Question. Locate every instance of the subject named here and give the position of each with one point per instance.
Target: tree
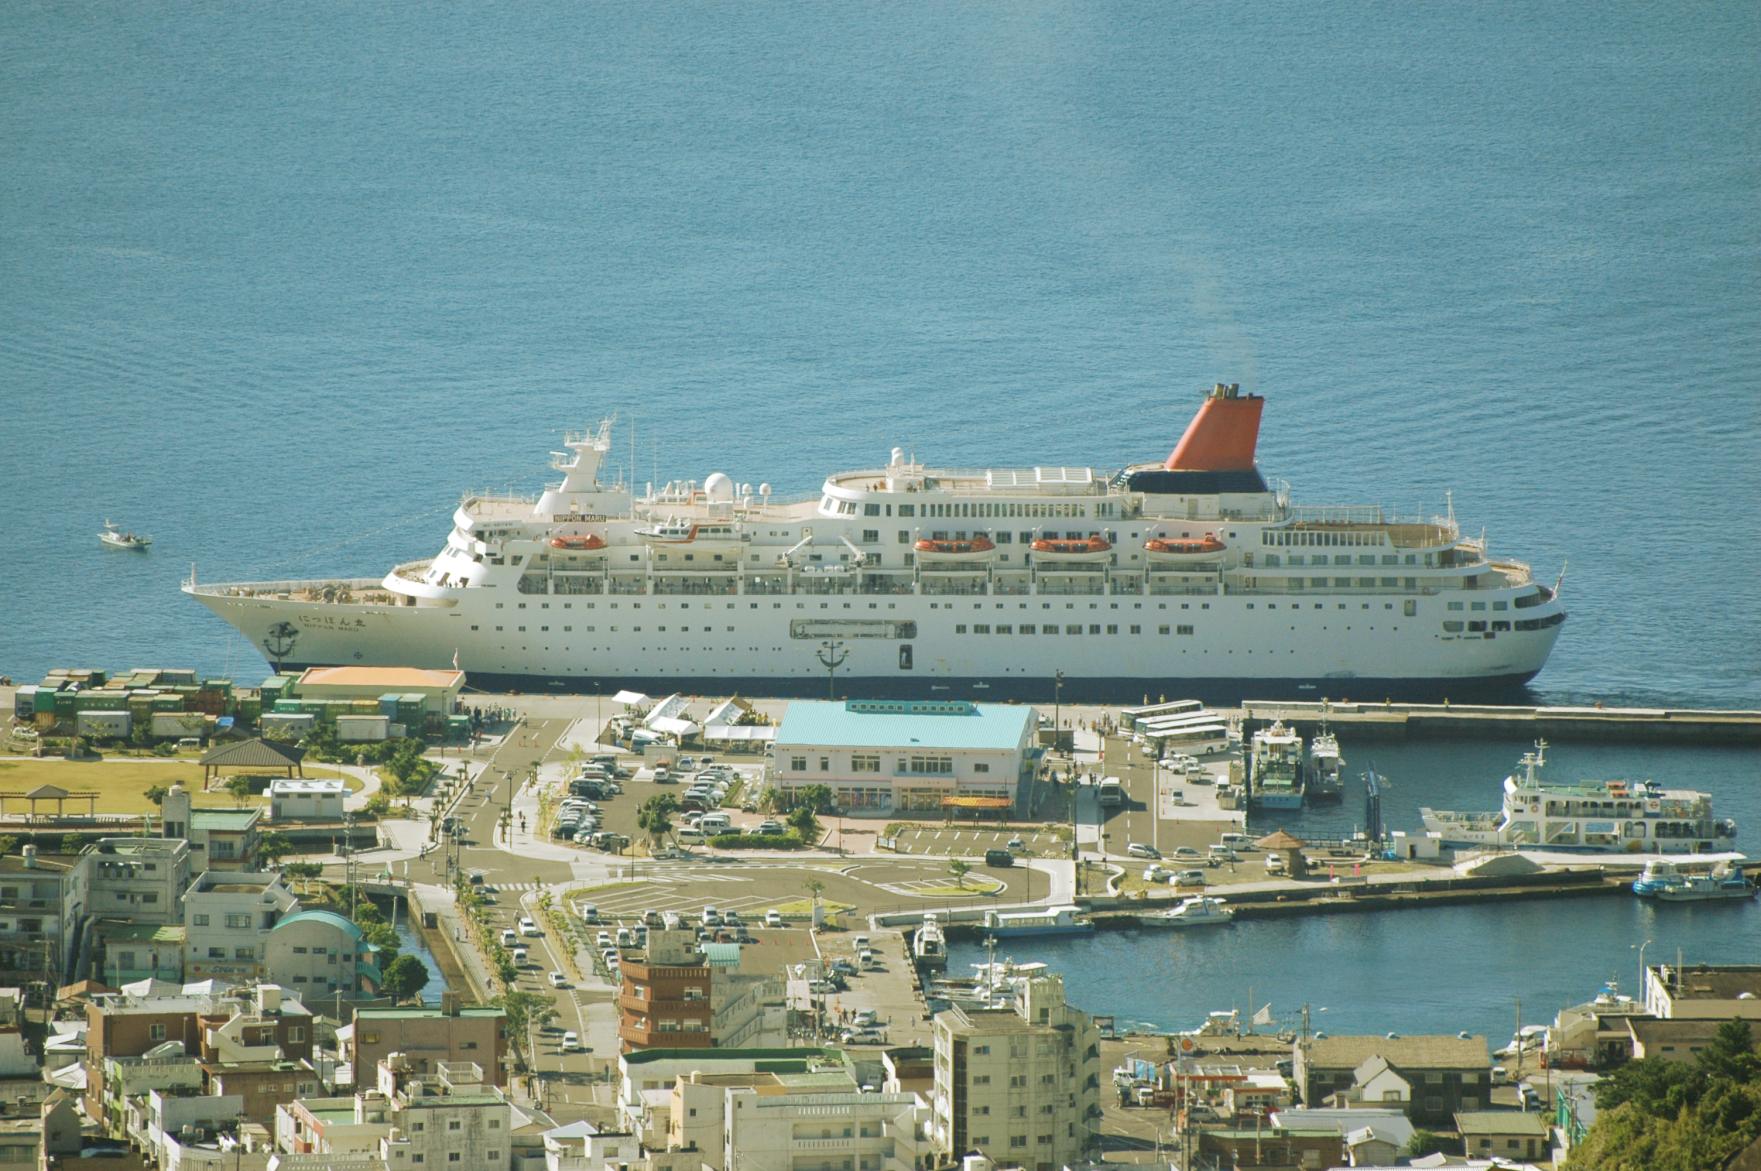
(302, 873)
(1425, 1142)
(272, 847)
(156, 794)
(378, 805)
(403, 978)
(240, 788)
(8, 845)
(959, 868)
(815, 888)
(524, 1009)
(71, 843)
(803, 822)
(655, 817)
(817, 798)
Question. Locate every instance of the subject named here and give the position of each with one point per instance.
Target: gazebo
(1290, 846)
(256, 755)
(53, 793)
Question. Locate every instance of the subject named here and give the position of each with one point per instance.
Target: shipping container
(177, 725)
(45, 699)
(103, 724)
(388, 704)
(290, 723)
(362, 729)
(24, 702)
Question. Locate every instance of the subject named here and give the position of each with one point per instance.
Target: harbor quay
(669, 900)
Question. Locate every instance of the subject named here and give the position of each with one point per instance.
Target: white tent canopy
(630, 698)
(671, 726)
(733, 733)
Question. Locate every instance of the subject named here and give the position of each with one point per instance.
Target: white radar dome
(718, 488)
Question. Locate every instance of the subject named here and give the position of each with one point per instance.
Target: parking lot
(973, 841)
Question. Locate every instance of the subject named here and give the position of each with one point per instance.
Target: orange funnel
(1222, 436)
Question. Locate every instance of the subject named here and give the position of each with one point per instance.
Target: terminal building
(880, 756)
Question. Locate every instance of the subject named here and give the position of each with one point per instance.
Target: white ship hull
(755, 607)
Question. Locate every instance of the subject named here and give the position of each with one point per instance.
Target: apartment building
(227, 918)
(1021, 1084)
(428, 1036)
(805, 1121)
(664, 1000)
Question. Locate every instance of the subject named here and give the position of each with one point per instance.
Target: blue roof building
(878, 756)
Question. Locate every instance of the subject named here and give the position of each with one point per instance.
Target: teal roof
(329, 917)
(721, 955)
(886, 723)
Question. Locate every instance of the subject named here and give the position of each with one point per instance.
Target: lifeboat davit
(1072, 550)
(936, 550)
(578, 542)
(1185, 550)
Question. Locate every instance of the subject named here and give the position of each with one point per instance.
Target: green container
(45, 700)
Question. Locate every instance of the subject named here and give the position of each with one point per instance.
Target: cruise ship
(1192, 573)
(1588, 816)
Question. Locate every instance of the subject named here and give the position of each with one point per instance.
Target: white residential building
(1021, 1084)
(306, 799)
(227, 918)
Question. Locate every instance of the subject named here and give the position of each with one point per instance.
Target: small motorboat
(1184, 550)
(1075, 550)
(114, 538)
(578, 542)
(1198, 911)
(940, 549)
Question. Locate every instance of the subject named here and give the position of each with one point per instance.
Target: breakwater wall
(1440, 720)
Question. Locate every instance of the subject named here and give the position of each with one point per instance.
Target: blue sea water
(278, 283)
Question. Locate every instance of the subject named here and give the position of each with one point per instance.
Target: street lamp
(1642, 948)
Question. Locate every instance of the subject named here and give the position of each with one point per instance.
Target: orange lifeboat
(963, 549)
(578, 542)
(1184, 549)
(1093, 547)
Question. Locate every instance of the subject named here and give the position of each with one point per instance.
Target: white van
(689, 835)
(715, 823)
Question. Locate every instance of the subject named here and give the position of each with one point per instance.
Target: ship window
(1501, 605)
(1476, 627)
(473, 628)
(1029, 628)
(981, 628)
(1452, 627)
(1187, 630)
(1501, 626)
(907, 510)
(1478, 606)
(1094, 629)
(1137, 630)
(1112, 630)
(960, 628)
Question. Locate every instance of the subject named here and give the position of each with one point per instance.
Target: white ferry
(1065, 920)
(1590, 816)
(1192, 571)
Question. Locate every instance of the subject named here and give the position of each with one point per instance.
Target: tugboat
(115, 538)
(928, 947)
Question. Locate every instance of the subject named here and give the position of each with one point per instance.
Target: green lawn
(121, 785)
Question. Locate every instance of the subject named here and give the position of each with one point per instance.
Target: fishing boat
(928, 947)
(1198, 911)
(1275, 768)
(1326, 780)
(115, 538)
(1723, 881)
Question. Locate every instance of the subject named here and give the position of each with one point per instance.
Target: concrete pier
(1605, 724)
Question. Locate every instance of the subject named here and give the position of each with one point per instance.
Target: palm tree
(655, 817)
(959, 868)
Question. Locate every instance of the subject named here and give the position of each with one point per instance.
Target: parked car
(1274, 864)
(520, 955)
(651, 918)
(508, 938)
(602, 940)
(571, 1042)
(528, 926)
(1189, 878)
(1187, 854)
(1155, 872)
(768, 826)
(1000, 858)
(558, 980)
(773, 918)
(1140, 850)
